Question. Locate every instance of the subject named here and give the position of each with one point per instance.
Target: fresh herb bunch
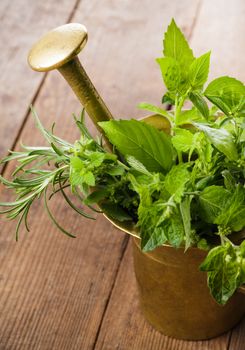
(183, 186)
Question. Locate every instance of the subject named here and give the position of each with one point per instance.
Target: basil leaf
(221, 139)
(176, 46)
(150, 146)
(170, 69)
(153, 109)
(198, 73)
(227, 93)
(199, 102)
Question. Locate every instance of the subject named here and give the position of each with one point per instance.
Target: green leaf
(170, 69)
(76, 163)
(174, 230)
(227, 93)
(116, 170)
(75, 179)
(154, 109)
(212, 202)
(223, 264)
(198, 73)
(116, 212)
(199, 102)
(190, 115)
(135, 164)
(176, 46)
(88, 178)
(182, 140)
(150, 146)
(96, 159)
(233, 213)
(168, 98)
(96, 196)
(229, 180)
(221, 139)
(152, 239)
(185, 210)
(176, 180)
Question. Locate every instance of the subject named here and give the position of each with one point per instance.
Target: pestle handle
(58, 49)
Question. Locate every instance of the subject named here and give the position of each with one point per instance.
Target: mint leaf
(199, 102)
(222, 207)
(150, 146)
(224, 267)
(75, 179)
(221, 139)
(176, 46)
(135, 164)
(227, 93)
(233, 213)
(170, 69)
(88, 178)
(198, 73)
(212, 202)
(174, 229)
(115, 212)
(150, 239)
(96, 158)
(96, 196)
(115, 170)
(76, 163)
(185, 210)
(176, 180)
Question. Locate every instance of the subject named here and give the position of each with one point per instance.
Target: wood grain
(61, 293)
(21, 24)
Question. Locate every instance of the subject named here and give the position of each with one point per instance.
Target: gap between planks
(36, 94)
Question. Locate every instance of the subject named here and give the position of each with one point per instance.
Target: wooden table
(61, 293)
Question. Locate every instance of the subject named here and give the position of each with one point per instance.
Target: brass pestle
(58, 49)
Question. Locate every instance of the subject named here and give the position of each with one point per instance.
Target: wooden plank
(22, 22)
(123, 326)
(237, 340)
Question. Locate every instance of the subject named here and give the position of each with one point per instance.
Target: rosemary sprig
(38, 171)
